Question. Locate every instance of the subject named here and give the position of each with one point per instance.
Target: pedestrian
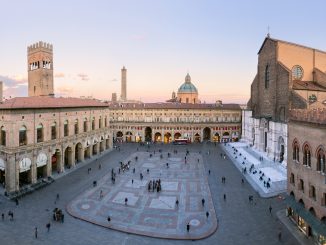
(224, 197)
(270, 209)
(177, 202)
(101, 194)
(126, 201)
(16, 200)
(188, 227)
(48, 225)
(207, 214)
(242, 181)
(3, 216)
(57, 197)
(62, 218)
(209, 171)
(280, 235)
(109, 219)
(35, 232)
(203, 201)
(99, 166)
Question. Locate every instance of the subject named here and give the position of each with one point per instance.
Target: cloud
(14, 86)
(113, 80)
(59, 75)
(83, 76)
(64, 91)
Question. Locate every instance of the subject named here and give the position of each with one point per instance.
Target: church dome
(187, 86)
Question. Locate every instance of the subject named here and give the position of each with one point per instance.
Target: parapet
(40, 46)
(312, 116)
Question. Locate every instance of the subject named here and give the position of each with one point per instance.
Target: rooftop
(308, 85)
(49, 102)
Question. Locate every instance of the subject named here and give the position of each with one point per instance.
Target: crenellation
(47, 47)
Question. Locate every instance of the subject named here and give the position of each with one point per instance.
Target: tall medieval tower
(123, 96)
(40, 69)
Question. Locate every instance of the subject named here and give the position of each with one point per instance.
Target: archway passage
(281, 148)
(226, 137)
(148, 134)
(128, 136)
(95, 148)
(216, 137)
(2, 171)
(56, 161)
(41, 172)
(167, 138)
(102, 144)
(79, 153)
(207, 134)
(157, 137)
(107, 143)
(25, 178)
(68, 157)
(197, 138)
(119, 137)
(177, 136)
(87, 152)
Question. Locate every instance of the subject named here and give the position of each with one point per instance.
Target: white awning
(41, 160)
(25, 165)
(2, 164)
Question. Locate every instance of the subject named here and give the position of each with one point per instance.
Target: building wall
(314, 135)
(14, 155)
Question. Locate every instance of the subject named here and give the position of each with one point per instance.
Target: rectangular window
(65, 130)
(85, 126)
(39, 135)
(76, 128)
(53, 133)
(3, 137)
(22, 138)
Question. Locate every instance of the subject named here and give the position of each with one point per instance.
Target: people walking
(203, 201)
(224, 197)
(35, 232)
(270, 209)
(188, 227)
(207, 214)
(48, 225)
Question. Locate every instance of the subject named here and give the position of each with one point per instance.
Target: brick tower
(123, 84)
(40, 69)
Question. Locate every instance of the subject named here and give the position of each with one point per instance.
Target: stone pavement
(152, 213)
(239, 222)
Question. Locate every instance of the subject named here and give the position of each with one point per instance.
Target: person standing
(270, 209)
(48, 225)
(35, 232)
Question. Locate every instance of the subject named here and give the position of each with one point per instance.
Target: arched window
(100, 122)
(295, 149)
(105, 121)
(306, 155)
(312, 192)
(85, 124)
(3, 136)
(53, 131)
(93, 123)
(22, 136)
(76, 126)
(267, 76)
(65, 128)
(39, 133)
(321, 161)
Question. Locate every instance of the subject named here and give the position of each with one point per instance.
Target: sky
(158, 41)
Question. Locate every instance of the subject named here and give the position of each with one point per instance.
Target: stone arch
(167, 137)
(207, 133)
(79, 152)
(177, 135)
(68, 157)
(158, 137)
(197, 138)
(148, 134)
(128, 136)
(216, 137)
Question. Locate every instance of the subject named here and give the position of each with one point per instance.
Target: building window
(85, 125)
(297, 72)
(105, 122)
(39, 133)
(3, 136)
(22, 136)
(65, 128)
(292, 179)
(312, 192)
(93, 123)
(100, 122)
(267, 77)
(306, 156)
(301, 185)
(76, 127)
(296, 151)
(54, 131)
(321, 161)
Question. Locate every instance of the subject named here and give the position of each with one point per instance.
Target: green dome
(187, 86)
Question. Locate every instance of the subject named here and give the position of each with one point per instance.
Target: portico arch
(148, 134)
(216, 137)
(157, 137)
(128, 136)
(177, 136)
(207, 133)
(119, 136)
(167, 138)
(79, 156)
(68, 158)
(56, 161)
(197, 138)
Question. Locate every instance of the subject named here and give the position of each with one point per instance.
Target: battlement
(311, 116)
(40, 46)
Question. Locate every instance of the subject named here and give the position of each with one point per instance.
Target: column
(49, 164)
(12, 174)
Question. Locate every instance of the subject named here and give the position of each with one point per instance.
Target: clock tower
(40, 69)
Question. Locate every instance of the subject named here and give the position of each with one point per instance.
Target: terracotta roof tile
(49, 102)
